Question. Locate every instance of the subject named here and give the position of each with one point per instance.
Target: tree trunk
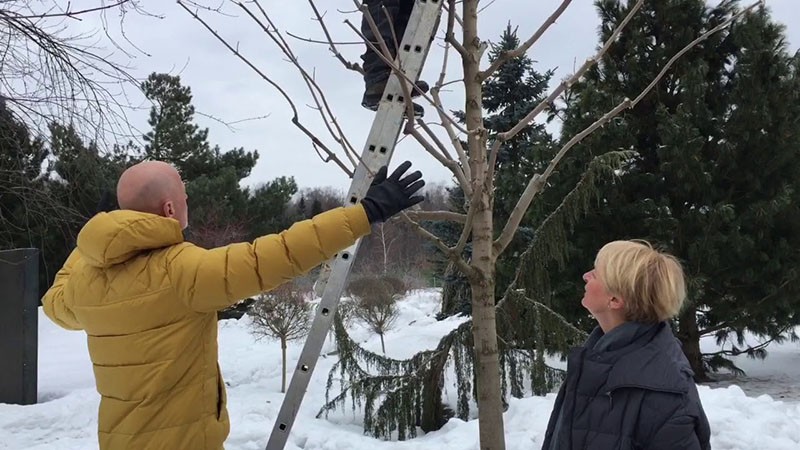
(690, 338)
(383, 347)
(385, 252)
(484, 325)
(283, 365)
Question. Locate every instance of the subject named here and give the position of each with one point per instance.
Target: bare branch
(445, 216)
(447, 121)
(519, 51)
(444, 157)
(451, 254)
(328, 118)
(331, 45)
(503, 137)
(537, 182)
(72, 14)
(449, 35)
(467, 230)
(51, 76)
(317, 143)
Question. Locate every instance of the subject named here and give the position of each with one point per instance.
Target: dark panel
(19, 275)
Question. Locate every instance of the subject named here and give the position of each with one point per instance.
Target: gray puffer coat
(630, 389)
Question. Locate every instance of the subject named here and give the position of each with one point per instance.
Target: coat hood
(113, 238)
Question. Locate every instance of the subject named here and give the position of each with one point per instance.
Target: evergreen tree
(174, 137)
(23, 196)
(715, 177)
(268, 206)
(508, 96)
(212, 177)
(27, 210)
(84, 173)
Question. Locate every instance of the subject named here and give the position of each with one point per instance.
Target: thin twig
(444, 216)
(352, 66)
(450, 253)
(72, 14)
(448, 161)
(447, 121)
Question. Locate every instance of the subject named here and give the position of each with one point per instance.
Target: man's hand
(388, 196)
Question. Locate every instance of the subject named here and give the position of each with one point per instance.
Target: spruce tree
(508, 96)
(715, 177)
(513, 91)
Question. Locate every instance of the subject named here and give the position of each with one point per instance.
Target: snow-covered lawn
(65, 418)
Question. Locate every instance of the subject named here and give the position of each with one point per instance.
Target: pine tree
(715, 177)
(212, 177)
(174, 137)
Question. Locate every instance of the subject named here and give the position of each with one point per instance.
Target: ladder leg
(377, 152)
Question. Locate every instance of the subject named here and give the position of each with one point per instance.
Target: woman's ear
(616, 303)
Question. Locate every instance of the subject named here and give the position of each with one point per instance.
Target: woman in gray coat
(630, 385)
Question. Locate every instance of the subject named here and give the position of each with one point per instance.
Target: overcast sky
(224, 87)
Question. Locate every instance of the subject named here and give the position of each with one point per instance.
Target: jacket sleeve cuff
(357, 218)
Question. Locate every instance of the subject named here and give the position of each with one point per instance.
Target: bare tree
(376, 303)
(283, 314)
(470, 153)
(49, 73)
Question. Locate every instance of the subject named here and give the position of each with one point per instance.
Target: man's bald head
(153, 187)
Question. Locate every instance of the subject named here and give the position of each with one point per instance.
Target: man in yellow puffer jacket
(147, 301)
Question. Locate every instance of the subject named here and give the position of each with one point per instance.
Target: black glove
(388, 196)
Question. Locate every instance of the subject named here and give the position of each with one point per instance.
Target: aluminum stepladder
(377, 152)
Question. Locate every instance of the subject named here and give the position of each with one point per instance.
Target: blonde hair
(650, 282)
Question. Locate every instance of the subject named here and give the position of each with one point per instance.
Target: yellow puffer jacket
(148, 300)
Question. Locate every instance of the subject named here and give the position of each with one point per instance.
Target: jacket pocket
(603, 441)
(222, 397)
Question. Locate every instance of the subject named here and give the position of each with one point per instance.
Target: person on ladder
(391, 18)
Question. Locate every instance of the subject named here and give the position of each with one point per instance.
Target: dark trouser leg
(376, 71)
(391, 19)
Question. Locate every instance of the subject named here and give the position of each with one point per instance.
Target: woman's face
(596, 298)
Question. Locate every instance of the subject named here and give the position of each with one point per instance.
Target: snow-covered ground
(65, 419)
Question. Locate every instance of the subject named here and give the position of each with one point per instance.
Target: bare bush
(375, 303)
(283, 314)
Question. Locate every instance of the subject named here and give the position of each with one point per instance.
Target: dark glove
(388, 196)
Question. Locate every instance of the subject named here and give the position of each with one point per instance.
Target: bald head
(153, 187)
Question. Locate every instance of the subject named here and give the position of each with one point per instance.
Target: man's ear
(169, 209)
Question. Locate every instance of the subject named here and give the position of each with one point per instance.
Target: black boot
(373, 93)
(386, 14)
